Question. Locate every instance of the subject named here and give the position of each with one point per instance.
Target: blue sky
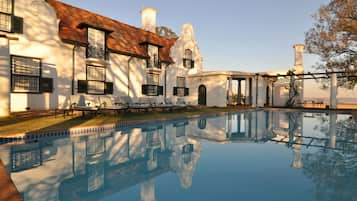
(254, 35)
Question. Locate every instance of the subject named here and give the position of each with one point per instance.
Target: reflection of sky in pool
(261, 155)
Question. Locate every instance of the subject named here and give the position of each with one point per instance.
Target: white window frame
(6, 13)
(181, 85)
(25, 74)
(96, 43)
(96, 83)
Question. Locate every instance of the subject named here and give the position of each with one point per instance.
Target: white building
(50, 50)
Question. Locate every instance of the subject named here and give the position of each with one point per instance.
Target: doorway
(202, 95)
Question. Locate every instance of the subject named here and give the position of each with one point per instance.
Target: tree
(166, 32)
(334, 38)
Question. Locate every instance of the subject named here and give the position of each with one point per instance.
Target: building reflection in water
(100, 164)
(96, 165)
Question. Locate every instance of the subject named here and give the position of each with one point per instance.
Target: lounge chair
(164, 106)
(180, 104)
(78, 103)
(139, 104)
(106, 103)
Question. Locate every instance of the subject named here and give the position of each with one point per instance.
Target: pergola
(333, 76)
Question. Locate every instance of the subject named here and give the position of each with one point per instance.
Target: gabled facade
(51, 50)
(62, 50)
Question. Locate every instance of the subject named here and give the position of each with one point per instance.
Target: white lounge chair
(106, 103)
(141, 104)
(78, 103)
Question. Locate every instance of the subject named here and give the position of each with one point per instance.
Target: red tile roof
(123, 39)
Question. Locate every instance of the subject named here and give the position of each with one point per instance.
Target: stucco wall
(185, 41)
(4, 78)
(216, 87)
(40, 40)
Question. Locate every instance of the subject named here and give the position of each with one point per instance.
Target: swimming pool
(256, 155)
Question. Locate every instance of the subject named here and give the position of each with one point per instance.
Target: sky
(242, 35)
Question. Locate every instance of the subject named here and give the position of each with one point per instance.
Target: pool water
(256, 155)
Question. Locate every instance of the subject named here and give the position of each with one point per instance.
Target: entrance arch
(202, 95)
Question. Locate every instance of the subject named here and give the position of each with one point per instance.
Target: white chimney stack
(148, 19)
(299, 50)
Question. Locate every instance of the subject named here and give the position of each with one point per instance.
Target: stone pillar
(230, 92)
(239, 93)
(229, 131)
(299, 69)
(332, 130)
(297, 155)
(255, 91)
(246, 92)
(299, 50)
(333, 91)
(4, 77)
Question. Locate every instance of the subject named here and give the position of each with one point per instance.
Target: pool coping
(8, 190)
(83, 131)
(123, 124)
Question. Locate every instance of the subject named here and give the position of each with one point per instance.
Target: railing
(153, 64)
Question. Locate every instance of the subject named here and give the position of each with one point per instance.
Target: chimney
(148, 19)
(299, 50)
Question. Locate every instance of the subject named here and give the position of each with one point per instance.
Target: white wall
(185, 41)
(216, 86)
(40, 40)
(4, 78)
(259, 84)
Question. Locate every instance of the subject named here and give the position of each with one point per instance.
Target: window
(180, 89)
(96, 44)
(152, 87)
(24, 160)
(188, 59)
(25, 74)
(153, 60)
(202, 124)
(153, 139)
(188, 148)
(181, 84)
(6, 8)
(153, 82)
(152, 79)
(95, 79)
(180, 131)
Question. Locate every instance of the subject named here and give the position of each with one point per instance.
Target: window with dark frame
(181, 131)
(188, 59)
(96, 44)
(152, 81)
(181, 85)
(180, 90)
(153, 60)
(25, 74)
(6, 12)
(96, 79)
(188, 148)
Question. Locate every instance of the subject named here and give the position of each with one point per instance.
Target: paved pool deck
(8, 190)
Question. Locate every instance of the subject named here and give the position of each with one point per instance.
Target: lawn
(16, 124)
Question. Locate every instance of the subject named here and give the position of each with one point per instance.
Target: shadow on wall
(40, 40)
(116, 69)
(46, 100)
